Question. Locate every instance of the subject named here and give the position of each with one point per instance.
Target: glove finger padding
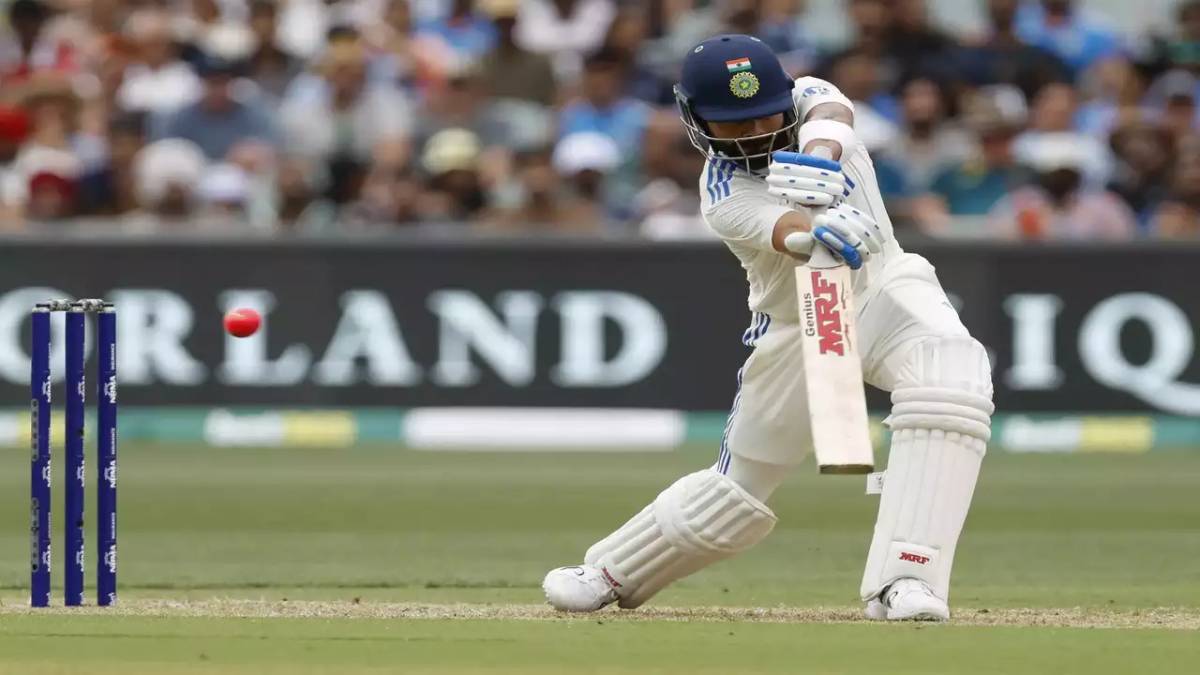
(784, 175)
(799, 242)
(832, 188)
(854, 227)
(801, 197)
(846, 235)
(868, 230)
(787, 175)
(840, 248)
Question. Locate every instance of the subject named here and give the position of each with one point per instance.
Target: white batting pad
(940, 427)
(702, 518)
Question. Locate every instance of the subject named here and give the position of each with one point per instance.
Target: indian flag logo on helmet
(743, 84)
(738, 65)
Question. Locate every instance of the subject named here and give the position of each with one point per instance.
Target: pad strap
(942, 408)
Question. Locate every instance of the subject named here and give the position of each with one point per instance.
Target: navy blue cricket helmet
(730, 78)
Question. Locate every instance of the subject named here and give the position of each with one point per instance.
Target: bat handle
(821, 256)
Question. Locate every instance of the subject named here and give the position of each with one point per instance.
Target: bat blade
(837, 403)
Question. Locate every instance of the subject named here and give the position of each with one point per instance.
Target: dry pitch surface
(239, 608)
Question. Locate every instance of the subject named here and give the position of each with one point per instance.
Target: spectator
(305, 25)
(775, 22)
(1058, 205)
(219, 121)
(1179, 49)
(603, 109)
(1184, 50)
(674, 27)
(668, 206)
(1111, 86)
(914, 44)
(338, 118)
(109, 189)
(33, 49)
(51, 197)
(780, 24)
(338, 96)
(585, 160)
(222, 198)
(402, 57)
(50, 148)
(156, 80)
(930, 142)
(1001, 57)
(538, 202)
(269, 66)
(215, 28)
(564, 30)
(451, 160)
(856, 74)
(14, 129)
(469, 35)
(871, 25)
(626, 35)
(95, 29)
(1145, 155)
(109, 54)
(1179, 215)
(975, 186)
(301, 205)
(1173, 97)
(1053, 114)
(1074, 35)
(390, 196)
(463, 102)
(166, 173)
(509, 70)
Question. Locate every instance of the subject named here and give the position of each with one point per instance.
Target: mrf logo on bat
(822, 316)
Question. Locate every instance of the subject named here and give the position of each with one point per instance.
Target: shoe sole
(919, 616)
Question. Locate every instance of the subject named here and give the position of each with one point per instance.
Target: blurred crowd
(326, 116)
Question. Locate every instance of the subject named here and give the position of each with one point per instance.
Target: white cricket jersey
(736, 205)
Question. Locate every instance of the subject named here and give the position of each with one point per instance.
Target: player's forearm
(831, 111)
(834, 129)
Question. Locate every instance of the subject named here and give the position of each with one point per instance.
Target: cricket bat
(833, 379)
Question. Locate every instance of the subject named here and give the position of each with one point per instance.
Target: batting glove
(851, 228)
(851, 234)
(805, 180)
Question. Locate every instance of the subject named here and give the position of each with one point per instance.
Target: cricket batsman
(767, 186)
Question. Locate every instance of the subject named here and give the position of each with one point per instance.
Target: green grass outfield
(375, 560)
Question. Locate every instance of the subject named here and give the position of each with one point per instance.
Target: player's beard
(754, 155)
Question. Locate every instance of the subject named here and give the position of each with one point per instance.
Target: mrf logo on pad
(822, 316)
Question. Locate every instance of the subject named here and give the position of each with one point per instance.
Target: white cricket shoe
(907, 600)
(580, 588)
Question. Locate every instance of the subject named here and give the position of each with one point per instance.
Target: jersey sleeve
(811, 92)
(738, 208)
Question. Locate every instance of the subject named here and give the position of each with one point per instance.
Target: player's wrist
(828, 131)
(814, 147)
